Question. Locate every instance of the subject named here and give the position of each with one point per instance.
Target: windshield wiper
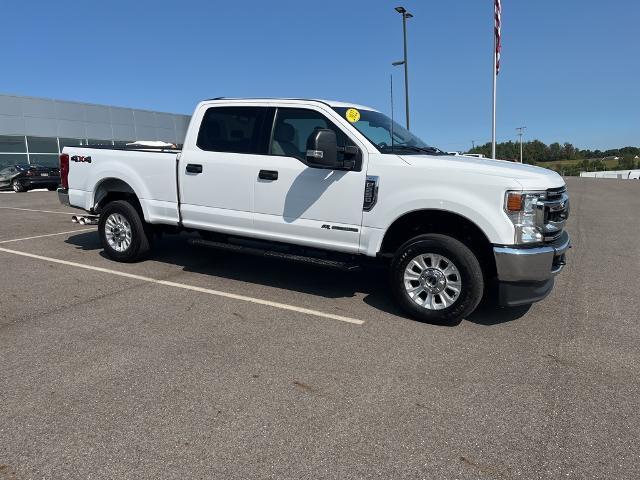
(413, 148)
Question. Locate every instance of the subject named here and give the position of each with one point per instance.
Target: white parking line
(42, 211)
(28, 191)
(218, 293)
(47, 235)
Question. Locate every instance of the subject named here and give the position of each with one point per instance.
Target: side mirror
(322, 149)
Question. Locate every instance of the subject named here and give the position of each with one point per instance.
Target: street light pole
(405, 15)
(520, 134)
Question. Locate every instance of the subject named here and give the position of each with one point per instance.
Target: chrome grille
(552, 213)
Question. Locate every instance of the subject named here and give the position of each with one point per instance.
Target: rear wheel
(17, 186)
(122, 232)
(437, 279)
(52, 188)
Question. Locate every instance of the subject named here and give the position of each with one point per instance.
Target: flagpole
(495, 72)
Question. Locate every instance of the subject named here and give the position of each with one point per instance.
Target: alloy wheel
(432, 281)
(118, 232)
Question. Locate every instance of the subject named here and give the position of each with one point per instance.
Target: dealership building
(35, 130)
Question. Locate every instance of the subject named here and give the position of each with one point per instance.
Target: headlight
(521, 210)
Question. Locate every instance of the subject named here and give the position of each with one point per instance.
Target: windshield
(378, 129)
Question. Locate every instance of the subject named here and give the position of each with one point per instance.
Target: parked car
(22, 178)
(333, 184)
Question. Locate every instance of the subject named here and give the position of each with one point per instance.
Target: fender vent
(370, 192)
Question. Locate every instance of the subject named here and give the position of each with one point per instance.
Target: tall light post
(520, 134)
(405, 15)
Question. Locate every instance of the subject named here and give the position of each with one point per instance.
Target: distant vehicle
(22, 178)
(619, 174)
(151, 143)
(460, 154)
(333, 184)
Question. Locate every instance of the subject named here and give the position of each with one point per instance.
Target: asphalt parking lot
(197, 364)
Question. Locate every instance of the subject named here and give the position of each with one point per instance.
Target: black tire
(140, 242)
(468, 268)
(51, 188)
(17, 186)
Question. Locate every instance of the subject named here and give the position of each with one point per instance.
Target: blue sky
(570, 68)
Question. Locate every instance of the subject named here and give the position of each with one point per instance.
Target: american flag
(498, 12)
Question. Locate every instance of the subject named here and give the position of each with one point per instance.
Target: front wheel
(18, 187)
(122, 232)
(436, 279)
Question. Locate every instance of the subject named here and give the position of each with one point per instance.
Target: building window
(42, 144)
(44, 159)
(12, 159)
(96, 142)
(12, 144)
(71, 142)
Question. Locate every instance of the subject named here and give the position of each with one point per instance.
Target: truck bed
(149, 172)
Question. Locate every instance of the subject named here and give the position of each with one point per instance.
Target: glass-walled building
(35, 130)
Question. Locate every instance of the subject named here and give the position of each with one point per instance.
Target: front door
(309, 206)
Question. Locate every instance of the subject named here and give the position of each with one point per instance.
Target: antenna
(392, 146)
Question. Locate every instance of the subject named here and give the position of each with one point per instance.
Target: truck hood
(528, 176)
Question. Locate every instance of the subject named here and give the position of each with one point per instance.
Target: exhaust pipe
(85, 220)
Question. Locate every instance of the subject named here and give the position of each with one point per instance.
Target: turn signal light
(514, 202)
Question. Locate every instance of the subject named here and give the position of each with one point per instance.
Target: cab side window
(234, 130)
(292, 129)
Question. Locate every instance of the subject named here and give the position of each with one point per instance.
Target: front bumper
(526, 275)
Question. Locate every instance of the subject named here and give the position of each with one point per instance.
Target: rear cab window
(234, 130)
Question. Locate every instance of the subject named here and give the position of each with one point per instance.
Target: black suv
(21, 178)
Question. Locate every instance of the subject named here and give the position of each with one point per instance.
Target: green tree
(568, 151)
(536, 151)
(626, 163)
(555, 151)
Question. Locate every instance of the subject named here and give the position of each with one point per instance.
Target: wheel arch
(418, 222)
(112, 188)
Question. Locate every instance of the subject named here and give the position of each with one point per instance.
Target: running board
(261, 252)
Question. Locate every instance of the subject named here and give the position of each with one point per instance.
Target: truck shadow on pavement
(371, 281)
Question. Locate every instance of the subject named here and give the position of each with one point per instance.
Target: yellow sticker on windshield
(352, 115)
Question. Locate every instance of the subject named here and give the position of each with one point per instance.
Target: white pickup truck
(333, 183)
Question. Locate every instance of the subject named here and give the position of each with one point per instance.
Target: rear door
(217, 169)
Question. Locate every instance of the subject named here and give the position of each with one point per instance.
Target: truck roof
(331, 103)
